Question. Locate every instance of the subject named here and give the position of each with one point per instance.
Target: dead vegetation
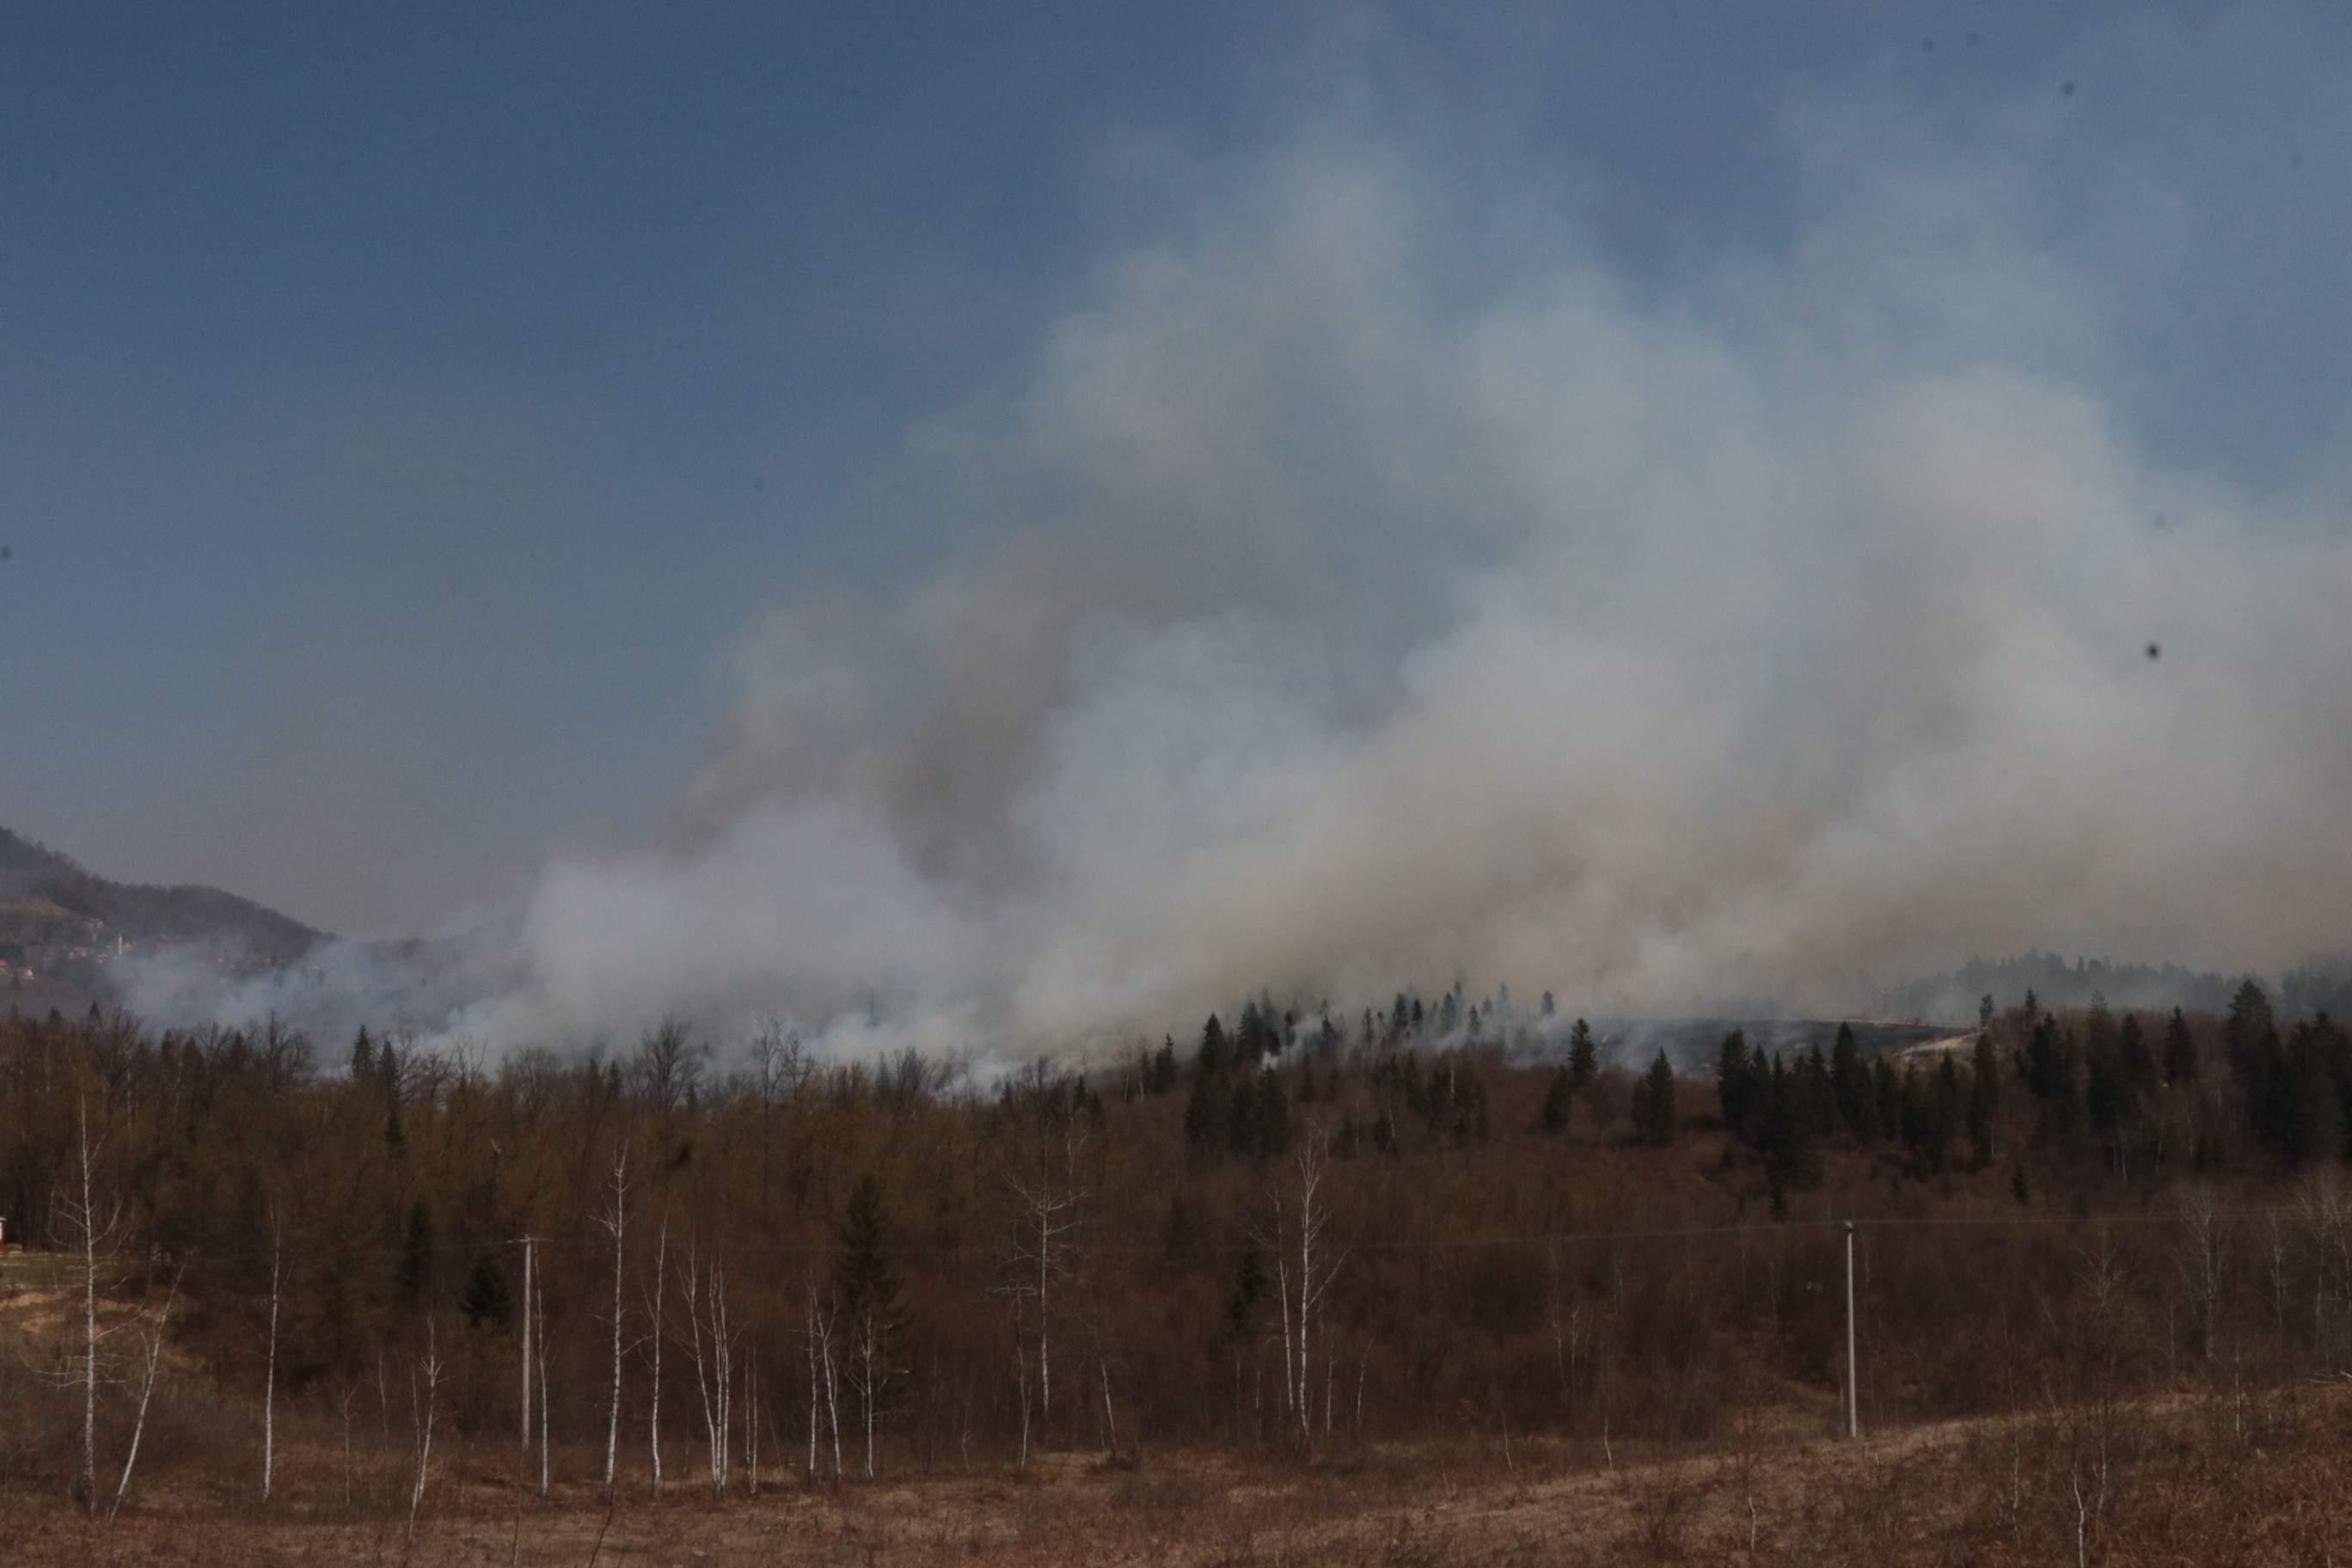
(2208, 1477)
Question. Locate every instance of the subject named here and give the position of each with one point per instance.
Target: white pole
(1853, 1386)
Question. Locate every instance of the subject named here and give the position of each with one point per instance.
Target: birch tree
(2203, 1255)
(154, 1357)
(821, 1383)
(525, 1242)
(615, 1219)
(655, 1316)
(269, 1376)
(428, 1368)
(1040, 1260)
(704, 1296)
(93, 1234)
(1318, 1267)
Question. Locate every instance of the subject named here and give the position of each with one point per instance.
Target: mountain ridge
(50, 901)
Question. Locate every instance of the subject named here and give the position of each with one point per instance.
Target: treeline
(1288, 1236)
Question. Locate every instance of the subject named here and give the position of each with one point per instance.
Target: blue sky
(407, 413)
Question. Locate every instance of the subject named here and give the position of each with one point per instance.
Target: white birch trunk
(269, 1378)
(523, 1424)
(832, 1402)
(616, 1221)
(539, 1341)
(146, 1392)
(431, 1367)
(653, 1413)
(88, 1482)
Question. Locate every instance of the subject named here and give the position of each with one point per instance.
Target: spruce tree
(486, 1296)
(1984, 1101)
(1655, 1113)
(1851, 1082)
(415, 1269)
(1583, 1057)
(2179, 1050)
(1559, 1098)
(1736, 1085)
(2141, 1075)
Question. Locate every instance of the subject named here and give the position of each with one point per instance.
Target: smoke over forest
(1370, 584)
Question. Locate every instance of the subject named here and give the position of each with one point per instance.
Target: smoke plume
(1366, 581)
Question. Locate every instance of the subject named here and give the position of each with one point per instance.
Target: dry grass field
(2218, 1477)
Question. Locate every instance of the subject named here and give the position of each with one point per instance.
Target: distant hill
(48, 902)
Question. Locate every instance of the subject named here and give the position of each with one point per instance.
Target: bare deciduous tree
(708, 1325)
(1316, 1270)
(94, 1235)
(270, 1377)
(655, 1316)
(615, 1219)
(428, 1367)
(154, 1357)
(2204, 1252)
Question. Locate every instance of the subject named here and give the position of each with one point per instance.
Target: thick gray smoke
(1364, 583)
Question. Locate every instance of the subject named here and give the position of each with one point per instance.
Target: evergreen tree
(867, 1287)
(2140, 1073)
(1214, 1055)
(1886, 1092)
(2179, 1050)
(1242, 1302)
(1943, 1106)
(1559, 1097)
(2248, 1031)
(2107, 1096)
(1736, 1085)
(1207, 1114)
(864, 1283)
(1852, 1084)
(362, 1057)
(1240, 1116)
(1984, 1101)
(2042, 1061)
(1253, 1038)
(1272, 1116)
(1792, 1152)
(1164, 1066)
(1814, 1072)
(415, 1269)
(485, 1295)
(1655, 1113)
(1583, 1057)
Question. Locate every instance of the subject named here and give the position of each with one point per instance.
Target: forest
(342, 1283)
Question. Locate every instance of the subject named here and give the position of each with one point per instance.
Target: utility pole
(1852, 1385)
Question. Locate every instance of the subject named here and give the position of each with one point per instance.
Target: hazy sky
(411, 416)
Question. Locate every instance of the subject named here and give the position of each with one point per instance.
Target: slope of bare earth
(2212, 1477)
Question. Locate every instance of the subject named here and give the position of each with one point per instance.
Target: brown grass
(2186, 1478)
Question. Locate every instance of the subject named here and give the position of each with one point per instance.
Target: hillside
(56, 916)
